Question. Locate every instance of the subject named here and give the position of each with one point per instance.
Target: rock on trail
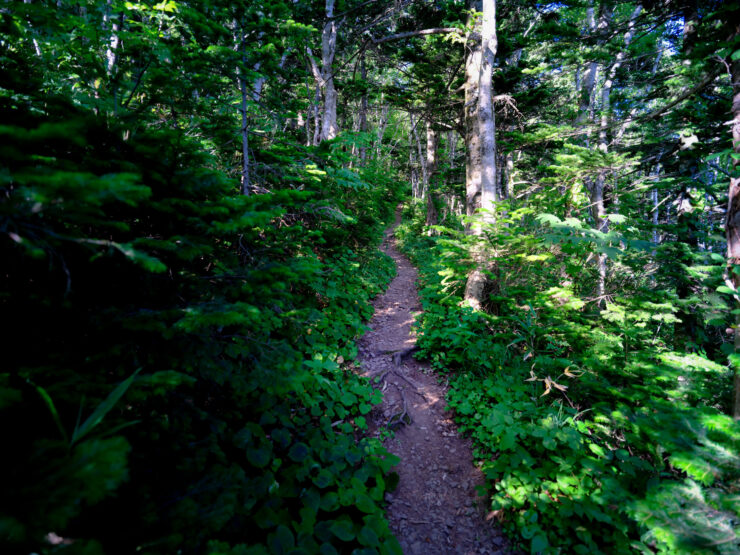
(435, 508)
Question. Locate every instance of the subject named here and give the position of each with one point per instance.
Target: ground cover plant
(595, 433)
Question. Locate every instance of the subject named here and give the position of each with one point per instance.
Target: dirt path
(435, 508)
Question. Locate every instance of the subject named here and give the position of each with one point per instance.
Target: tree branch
(691, 92)
(433, 31)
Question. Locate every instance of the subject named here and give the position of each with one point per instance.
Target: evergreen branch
(691, 92)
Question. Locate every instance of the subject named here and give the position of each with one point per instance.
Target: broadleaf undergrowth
(595, 434)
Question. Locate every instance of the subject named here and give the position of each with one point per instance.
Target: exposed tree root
(398, 418)
(378, 378)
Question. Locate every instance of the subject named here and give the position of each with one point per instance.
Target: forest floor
(436, 507)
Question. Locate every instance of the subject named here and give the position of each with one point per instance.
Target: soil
(436, 507)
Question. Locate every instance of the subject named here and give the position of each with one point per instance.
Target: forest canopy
(193, 195)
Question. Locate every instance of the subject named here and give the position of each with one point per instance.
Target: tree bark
(451, 145)
(472, 132)
(486, 114)
(413, 174)
(326, 124)
(363, 112)
(111, 52)
(656, 214)
(732, 224)
(329, 127)
(382, 124)
(481, 143)
(421, 157)
(598, 186)
(586, 85)
(245, 182)
(432, 144)
(36, 47)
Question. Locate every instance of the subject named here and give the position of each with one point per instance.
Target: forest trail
(435, 508)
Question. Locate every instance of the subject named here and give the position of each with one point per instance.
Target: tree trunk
(585, 85)
(413, 174)
(451, 144)
(431, 164)
(382, 124)
(36, 47)
(654, 193)
(481, 144)
(111, 52)
(486, 113)
(422, 158)
(329, 127)
(588, 85)
(508, 175)
(598, 186)
(326, 123)
(732, 224)
(245, 183)
(598, 212)
(317, 115)
(363, 112)
(472, 131)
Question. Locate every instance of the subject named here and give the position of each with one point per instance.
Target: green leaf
(539, 543)
(312, 499)
(259, 457)
(52, 409)
(508, 440)
(323, 479)
(365, 504)
(343, 529)
(367, 536)
(328, 549)
(102, 409)
(298, 452)
(282, 541)
(329, 502)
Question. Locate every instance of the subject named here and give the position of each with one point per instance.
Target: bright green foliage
(596, 436)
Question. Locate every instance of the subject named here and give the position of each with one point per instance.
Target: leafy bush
(178, 370)
(595, 434)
